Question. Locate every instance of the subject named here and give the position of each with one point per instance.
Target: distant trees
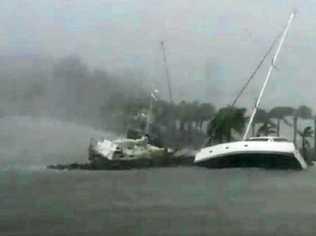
(229, 119)
(280, 113)
(194, 114)
(205, 111)
(302, 112)
(307, 133)
(68, 89)
(190, 118)
(112, 99)
(314, 135)
(306, 147)
(267, 128)
(262, 117)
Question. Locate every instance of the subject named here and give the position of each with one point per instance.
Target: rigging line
(256, 70)
(164, 55)
(272, 66)
(241, 91)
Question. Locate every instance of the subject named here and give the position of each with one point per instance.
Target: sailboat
(127, 149)
(267, 152)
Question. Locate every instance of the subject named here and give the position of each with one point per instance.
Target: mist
(66, 89)
(28, 142)
(210, 44)
(78, 63)
(51, 108)
(72, 70)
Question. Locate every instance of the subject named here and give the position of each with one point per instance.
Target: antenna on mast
(162, 44)
(272, 66)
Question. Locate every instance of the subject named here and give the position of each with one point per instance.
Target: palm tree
(194, 114)
(205, 112)
(225, 121)
(303, 112)
(187, 115)
(267, 128)
(279, 113)
(182, 114)
(179, 115)
(184, 117)
(314, 135)
(260, 117)
(307, 133)
(161, 111)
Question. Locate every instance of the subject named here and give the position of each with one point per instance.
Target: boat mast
(253, 74)
(164, 55)
(153, 98)
(272, 66)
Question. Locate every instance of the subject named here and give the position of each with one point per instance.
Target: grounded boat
(133, 153)
(269, 152)
(124, 149)
(266, 152)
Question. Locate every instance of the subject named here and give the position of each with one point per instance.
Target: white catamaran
(270, 152)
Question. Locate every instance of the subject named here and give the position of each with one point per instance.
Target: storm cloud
(212, 46)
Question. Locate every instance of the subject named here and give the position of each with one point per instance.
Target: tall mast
(153, 98)
(162, 44)
(272, 66)
(253, 74)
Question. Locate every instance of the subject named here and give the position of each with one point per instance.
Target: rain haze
(78, 74)
(211, 45)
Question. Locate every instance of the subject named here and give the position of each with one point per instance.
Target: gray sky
(212, 45)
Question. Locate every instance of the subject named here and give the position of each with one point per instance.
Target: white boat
(127, 149)
(270, 152)
(124, 149)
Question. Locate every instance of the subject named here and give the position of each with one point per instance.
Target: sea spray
(27, 142)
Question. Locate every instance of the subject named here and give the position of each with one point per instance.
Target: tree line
(192, 122)
(68, 89)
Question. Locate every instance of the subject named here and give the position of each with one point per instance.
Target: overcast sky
(212, 45)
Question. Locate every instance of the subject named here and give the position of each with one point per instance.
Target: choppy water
(170, 201)
(166, 201)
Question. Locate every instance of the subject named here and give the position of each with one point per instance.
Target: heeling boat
(270, 152)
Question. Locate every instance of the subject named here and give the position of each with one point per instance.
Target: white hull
(126, 149)
(256, 151)
(251, 153)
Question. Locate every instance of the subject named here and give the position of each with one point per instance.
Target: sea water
(158, 201)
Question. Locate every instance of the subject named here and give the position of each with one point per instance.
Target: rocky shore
(180, 158)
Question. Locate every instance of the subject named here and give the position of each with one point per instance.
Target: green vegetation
(67, 89)
(225, 121)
